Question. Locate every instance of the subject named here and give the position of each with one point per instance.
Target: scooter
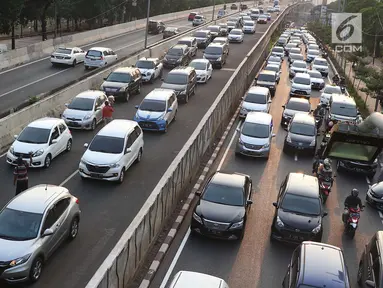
(325, 185)
(351, 224)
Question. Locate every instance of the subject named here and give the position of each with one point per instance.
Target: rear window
(94, 53)
(64, 51)
(197, 17)
(298, 106)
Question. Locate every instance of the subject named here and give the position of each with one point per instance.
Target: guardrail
(121, 264)
(42, 49)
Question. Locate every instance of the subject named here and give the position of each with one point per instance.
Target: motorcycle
(343, 89)
(351, 223)
(325, 184)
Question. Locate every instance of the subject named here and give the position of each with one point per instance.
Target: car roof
(189, 38)
(341, 98)
(239, 30)
(258, 90)
(271, 64)
(99, 48)
(117, 128)
(188, 279)
(259, 118)
(215, 44)
(203, 30)
(303, 185)
(278, 47)
(322, 265)
(228, 179)
(299, 61)
(215, 26)
(90, 94)
(148, 59)
(304, 118)
(268, 72)
(159, 94)
(124, 70)
(200, 60)
(302, 75)
(183, 46)
(220, 38)
(320, 58)
(45, 123)
(313, 71)
(37, 198)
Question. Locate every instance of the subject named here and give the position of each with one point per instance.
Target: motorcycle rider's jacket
(353, 202)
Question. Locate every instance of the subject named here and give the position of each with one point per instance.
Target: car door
(156, 69)
(209, 70)
(249, 191)
(63, 222)
(131, 145)
(54, 148)
(64, 134)
(194, 46)
(49, 242)
(174, 105)
(81, 56)
(99, 104)
(291, 277)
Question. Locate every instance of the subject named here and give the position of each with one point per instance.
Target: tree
(10, 16)
(374, 85)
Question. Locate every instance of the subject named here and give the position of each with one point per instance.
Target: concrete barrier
(123, 261)
(39, 50)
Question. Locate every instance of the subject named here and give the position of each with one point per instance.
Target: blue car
(268, 17)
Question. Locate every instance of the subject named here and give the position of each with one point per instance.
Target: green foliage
(10, 11)
(323, 32)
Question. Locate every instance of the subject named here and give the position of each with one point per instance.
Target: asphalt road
(108, 209)
(21, 83)
(254, 261)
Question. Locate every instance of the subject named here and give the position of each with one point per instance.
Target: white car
(44, 138)
(257, 99)
(198, 20)
(275, 68)
(312, 46)
(221, 40)
(187, 279)
(320, 64)
(301, 85)
(97, 57)
(277, 9)
(248, 27)
(316, 78)
(68, 56)
(236, 35)
(278, 51)
(85, 110)
(327, 93)
(112, 151)
(262, 19)
(150, 68)
(312, 54)
(276, 60)
(203, 68)
(298, 66)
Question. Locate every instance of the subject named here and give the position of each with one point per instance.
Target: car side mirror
(312, 110)
(128, 150)
(54, 141)
(273, 135)
(283, 106)
(162, 79)
(136, 106)
(238, 130)
(86, 145)
(249, 202)
(275, 204)
(15, 136)
(66, 104)
(269, 101)
(48, 232)
(105, 79)
(170, 109)
(370, 283)
(358, 113)
(198, 193)
(255, 78)
(203, 51)
(324, 214)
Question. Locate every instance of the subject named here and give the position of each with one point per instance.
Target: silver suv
(32, 226)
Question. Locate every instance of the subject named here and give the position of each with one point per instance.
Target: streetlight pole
(212, 16)
(147, 25)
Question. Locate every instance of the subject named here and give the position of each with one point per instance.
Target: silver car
(32, 227)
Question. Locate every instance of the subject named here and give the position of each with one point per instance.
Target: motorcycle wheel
(324, 199)
(351, 234)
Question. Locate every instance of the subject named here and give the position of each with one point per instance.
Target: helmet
(327, 163)
(355, 192)
(319, 105)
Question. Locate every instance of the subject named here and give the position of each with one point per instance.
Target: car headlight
(197, 218)
(219, 59)
(279, 222)
(11, 150)
(87, 117)
(267, 145)
(183, 92)
(312, 143)
(317, 229)
(288, 139)
(20, 260)
(148, 73)
(237, 225)
(115, 165)
(83, 162)
(38, 153)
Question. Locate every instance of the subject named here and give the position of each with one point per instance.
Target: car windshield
(251, 24)
(198, 65)
(302, 129)
(200, 34)
(302, 81)
(213, 28)
(301, 204)
(299, 65)
(142, 64)
(298, 106)
(277, 50)
(313, 52)
(223, 26)
(34, 135)
(274, 59)
(64, 51)
(197, 17)
(119, 77)
(153, 105)
(177, 79)
(235, 32)
(266, 77)
(107, 144)
(344, 110)
(175, 52)
(255, 130)
(320, 62)
(185, 42)
(83, 104)
(272, 68)
(213, 50)
(296, 57)
(256, 98)
(18, 225)
(315, 74)
(332, 90)
(225, 195)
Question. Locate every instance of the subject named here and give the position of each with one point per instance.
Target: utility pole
(147, 25)
(212, 16)
(55, 35)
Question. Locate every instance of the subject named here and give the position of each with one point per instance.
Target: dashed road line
(228, 69)
(296, 157)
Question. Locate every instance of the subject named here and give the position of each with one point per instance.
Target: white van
(342, 108)
(254, 14)
(99, 57)
(189, 279)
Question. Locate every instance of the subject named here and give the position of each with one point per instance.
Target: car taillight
(76, 200)
(102, 58)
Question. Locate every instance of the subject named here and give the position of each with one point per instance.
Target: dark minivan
(156, 27)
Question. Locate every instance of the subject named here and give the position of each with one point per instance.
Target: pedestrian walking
(111, 100)
(107, 113)
(20, 178)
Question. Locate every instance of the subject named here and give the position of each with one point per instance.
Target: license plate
(294, 237)
(95, 175)
(73, 123)
(214, 232)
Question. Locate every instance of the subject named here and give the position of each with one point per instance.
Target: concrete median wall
(43, 49)
(120, 266)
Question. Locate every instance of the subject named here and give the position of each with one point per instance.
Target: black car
(215, 31)
(217, 54)
(222, 208)
(268, 79)
(233, 7)
(358, 167)
(204, 38)
(170, 32)
(223, 28)
(294, 105)
(243, 6)
(178, 55)
(374, 196)
(156, 27)
(298, 210)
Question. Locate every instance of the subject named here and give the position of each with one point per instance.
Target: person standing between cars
(107, 113)
(20, 178)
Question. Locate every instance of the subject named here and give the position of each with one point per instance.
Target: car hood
(77, 114)
(220, 213)
(150, 115)
(301, 222)
(377, 188)
(212, 56)
(301, 86)
(317, 80)
(201, 72)
(254, 106)
(290, 112)
(116, 85)
(98, 158)
(144, 71)
(265, 83)
(172, 57)
(175, 87)
(301, 138)
(25, 148)
(11, 250)
(253, 140)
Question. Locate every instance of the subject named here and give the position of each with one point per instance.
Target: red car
(192, 15)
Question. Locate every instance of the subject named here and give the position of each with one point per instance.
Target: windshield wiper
(10, 237)
(28, 141)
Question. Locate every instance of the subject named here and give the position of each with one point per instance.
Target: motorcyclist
(324, 168)
(335, 79)
(319, 111)
(352, 201)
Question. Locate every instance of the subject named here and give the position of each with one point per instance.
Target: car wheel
(69, 145)
(127, 96)
(359, 276)
(48, 161)
(122, 176)
(86, 67)
(74, 63)
(175, 116)
(36, 269)
(73, 231)
(93, 125)
(139, 156)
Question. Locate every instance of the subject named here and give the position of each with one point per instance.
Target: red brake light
(76, 200)
(102, 57)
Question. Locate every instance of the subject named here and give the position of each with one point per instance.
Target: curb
(175, 227)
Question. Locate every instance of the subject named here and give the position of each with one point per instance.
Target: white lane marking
(228, 69)
(368, 180)
(296, 157)
(69, 177)
(2, 155)
(175, 259)
(228, 147)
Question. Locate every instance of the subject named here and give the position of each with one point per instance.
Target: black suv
(298, 210)
(233, 7)
(224, 202)
(156, 27)
(268, 79)
(178, 55)
(215, 31)
(203, 37)
(217, 54)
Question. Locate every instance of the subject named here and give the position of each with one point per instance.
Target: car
(342, 108)
(214, 31)
(247, 18)
(313, 46)
(289, 46)
(45, 139)
(203, 68)
(243, 6)
(203, 37)
(150, 69)
(320, 64)
(276, 60)
(112, 151)
(224, 29)
(157, 110)
(295, 57)
(254, 14)
(249, 26)
(278, 51)
(97, 57)
(282, 41)
(275, 68)
(192, 15)
(270, 9)
(183, 279)
(301, 134)
(221, 13)
(297, 66)
(233, 7)
(317, 82)
(277, 9)
(268, 15)
(255, 135)
(191, 42)
(231, 25)
(85, 110)
(236, 35)
(198, 20)
(298, 210)
(262, 19)
(223, 205)
(183, 80)
(156, 27)
(268, 79)
(170, 32)
(217, 54)
(257, 99)
(68, 56)
(312, 54)
(295, 50)
(221, 40)
(32, 226)
(293, 106)
(327, 92)
(301, 85)
(122, 83)
(358, 167)
(177, 55)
